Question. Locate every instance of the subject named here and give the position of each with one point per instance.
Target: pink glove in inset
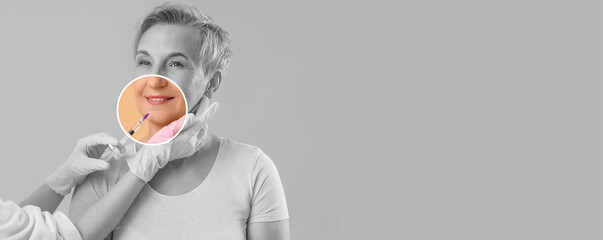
(167, 132)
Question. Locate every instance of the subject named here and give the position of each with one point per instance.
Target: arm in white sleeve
(30, 222)
(268, 196)
(268, 218)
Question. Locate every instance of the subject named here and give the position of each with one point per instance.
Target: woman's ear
(214, 84)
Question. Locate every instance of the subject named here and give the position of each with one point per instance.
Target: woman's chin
(162, 122)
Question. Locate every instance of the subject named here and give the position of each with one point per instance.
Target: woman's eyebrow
(178, 54)
(143, 52)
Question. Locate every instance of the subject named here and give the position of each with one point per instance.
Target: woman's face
(173, 51)
(159, 97)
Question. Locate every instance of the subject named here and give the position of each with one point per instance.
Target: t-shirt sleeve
(30, 222)
(268, 201)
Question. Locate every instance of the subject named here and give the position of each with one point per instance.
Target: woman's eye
(176, 64)
(144, 62)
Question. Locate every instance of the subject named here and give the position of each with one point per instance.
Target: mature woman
(227, 189)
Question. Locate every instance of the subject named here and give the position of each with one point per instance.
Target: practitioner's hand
(81, 162)
(150, 159)
(168, 132)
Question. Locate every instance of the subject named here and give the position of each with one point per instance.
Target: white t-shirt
(242, 187)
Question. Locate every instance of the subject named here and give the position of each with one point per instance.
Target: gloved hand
(167, 132)
(146, 162)
(81, 162)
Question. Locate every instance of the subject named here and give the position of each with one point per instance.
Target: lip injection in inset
(108, 154)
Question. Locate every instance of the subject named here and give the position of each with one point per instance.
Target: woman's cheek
(140, 70)
(138, 97)
(141, 105)
(182, 107)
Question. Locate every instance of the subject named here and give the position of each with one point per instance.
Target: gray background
(415, 120)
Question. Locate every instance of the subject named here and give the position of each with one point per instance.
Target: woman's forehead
(163, 40)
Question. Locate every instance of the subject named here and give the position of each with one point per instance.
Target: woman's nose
(157, 70)
(157, 82)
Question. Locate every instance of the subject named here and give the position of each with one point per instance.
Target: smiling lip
(158, 99)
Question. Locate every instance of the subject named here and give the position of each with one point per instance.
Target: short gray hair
(215, 53)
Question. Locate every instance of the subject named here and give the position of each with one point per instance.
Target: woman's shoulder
(233, 149)
(236, 147)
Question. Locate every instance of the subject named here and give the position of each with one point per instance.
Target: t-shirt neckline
(159, 195)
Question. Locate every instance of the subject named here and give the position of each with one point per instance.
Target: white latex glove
(81, 162)
(146, 162)
(166, 133)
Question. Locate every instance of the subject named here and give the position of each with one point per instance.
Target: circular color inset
(157, 95)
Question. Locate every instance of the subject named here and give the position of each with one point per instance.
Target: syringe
(108, 154)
